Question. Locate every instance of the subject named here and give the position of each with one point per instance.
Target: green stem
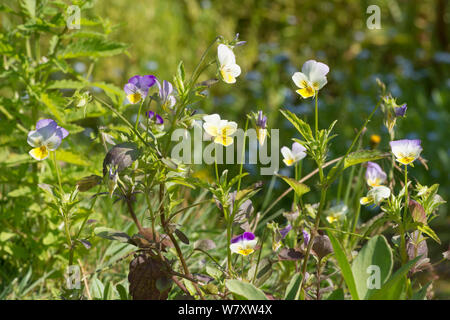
(215, 165)
(242, 156)
(405, 210)
(57, 172)
(317, 116)
(138, 115)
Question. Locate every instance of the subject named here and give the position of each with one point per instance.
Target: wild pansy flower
(375, 176)
(137, 87)
(292, 156)
(392, 111)
(306, 237)
(220, 130)
(280, 235)
(47, 137)
(406, 151)
(166, 94)
(261, 131)
(228, 68)
(311, 79)
(336, 213)
(376, 195)
(243, 244)
(153, 116)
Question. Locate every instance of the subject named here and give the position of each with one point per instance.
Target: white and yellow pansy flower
(220, 130)
(406, 151)
(228, 68)
(292, 156)
(311, 79)
(375, 176)
(376, 195)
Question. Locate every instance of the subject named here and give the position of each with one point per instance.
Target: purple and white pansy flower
(375, 176)
(153, 116)
(137, 87)
(47, 137)
(406, 151)
(261, 131)
(243, 244)
(166, 94)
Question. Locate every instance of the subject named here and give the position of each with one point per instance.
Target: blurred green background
(410, 54)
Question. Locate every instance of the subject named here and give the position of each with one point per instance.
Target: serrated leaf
(52, 107)
(362, 156)
(430, 232)
(300, 125)
(245, 291)
(92, 47)
(299, 188)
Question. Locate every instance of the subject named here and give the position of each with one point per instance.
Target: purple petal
(262, 120)
(285, 231)
(243, 237)
(297, 147)
(305, 237)
(130, 88)
(150, 114)
(145, 82)
(46, 122)
(134, 80)
(62, 132)
(400, 111)
(159, 119)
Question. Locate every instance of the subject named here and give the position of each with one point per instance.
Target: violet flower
(243, 244)
(166, 94)
(47, 137)
(137, 87)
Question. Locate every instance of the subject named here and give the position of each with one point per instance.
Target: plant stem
(317, 116)
(57, 172)
(242, 156)
(138, 115)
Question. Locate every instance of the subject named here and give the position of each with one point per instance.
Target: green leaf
(244, 291)
(345, 266)
(427, 230)
(122, 292)
(337, 294)
(110, 234)
(70, 157)
(52, 107)
(293, 287)
(384, 292)
(28, 7)
(375, 254)
(361, 156)
(421, 294)
(92, 47)
(300, 125)
(299, 188)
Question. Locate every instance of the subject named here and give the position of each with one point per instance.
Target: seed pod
(143, 276)
(322, 246)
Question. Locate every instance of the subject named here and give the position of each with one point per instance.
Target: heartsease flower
(243, 244)
(376, 195)
(228, 68)
(292, 156)
(406, 151)
(400, 111)
(220, 130)
(137, 87)
(280, 235)
(153, 116)
(311, 79)
(261, 131)
(375, 176)
(47, 137)
(166, 94)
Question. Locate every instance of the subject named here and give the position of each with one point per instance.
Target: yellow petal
(223, 140)
(331, 219)
(306, 92)
(245, 252)
(365, 200)
(288, 162)
(406, 160)
(134, 97)
(227, 76)
(40, 153)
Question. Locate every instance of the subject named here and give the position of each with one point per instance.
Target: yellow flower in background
(220, 130)
(228, 68)
(311, 79)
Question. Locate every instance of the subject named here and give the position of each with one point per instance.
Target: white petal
(35, 138)
(286, 152)
(236, 247)
(213, 118)
(300, 79)
(225, 55)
